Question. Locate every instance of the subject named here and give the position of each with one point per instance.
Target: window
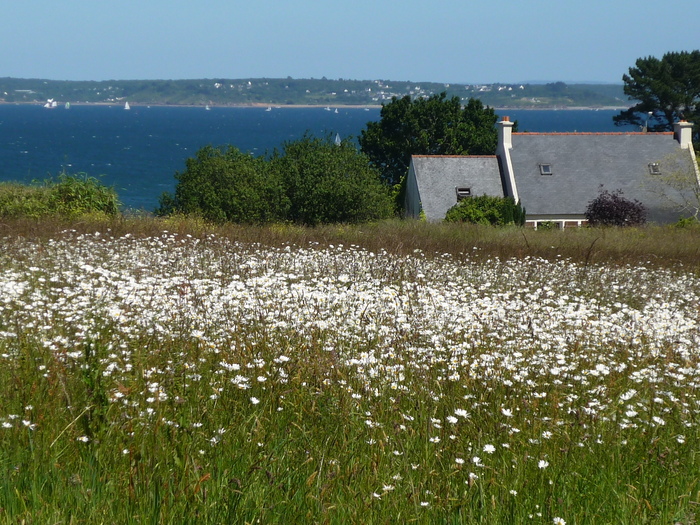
(545, 169)
(463, 193)
(654, 168)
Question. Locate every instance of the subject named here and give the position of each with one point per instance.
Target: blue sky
(452, 41)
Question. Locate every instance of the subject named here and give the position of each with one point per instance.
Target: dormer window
(463, 193)
(545, 169)
(654, 168)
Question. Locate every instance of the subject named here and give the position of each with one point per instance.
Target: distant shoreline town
(312, 106)
(278, 93)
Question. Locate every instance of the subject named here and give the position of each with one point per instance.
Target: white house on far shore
(555, 175)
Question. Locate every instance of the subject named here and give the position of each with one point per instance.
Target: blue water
(139, 151)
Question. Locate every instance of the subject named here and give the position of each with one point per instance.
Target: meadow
(168, 371)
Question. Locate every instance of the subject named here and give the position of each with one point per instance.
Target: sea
(140, 150)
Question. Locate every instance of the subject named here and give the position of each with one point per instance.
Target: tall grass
(389, 373)
(654, 245)
(67, 196)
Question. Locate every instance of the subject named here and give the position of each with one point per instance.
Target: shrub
(312, 181)
(612, 209)
(75, 195)
(227, 185)
(20, 200)
(329, 183)
(495, 211)
(687, 222)
(67, 196)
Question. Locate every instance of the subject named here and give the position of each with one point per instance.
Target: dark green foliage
(68, 196)
(487, 210)
(312, 181)
(668, 87)
(427, 126)
(227, 185)
(329, 183)
(612, 209)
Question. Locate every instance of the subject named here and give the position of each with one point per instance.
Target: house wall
(412, 199)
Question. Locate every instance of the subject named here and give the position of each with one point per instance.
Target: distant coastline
(136, 105)
(289, 92)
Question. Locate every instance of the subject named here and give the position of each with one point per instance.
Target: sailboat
(338, 142)
(269, 108)
(207, 107)
(67, 105)
(51, 103)
(127, 106)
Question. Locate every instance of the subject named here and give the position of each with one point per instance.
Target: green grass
(347, 374)
(67, 196)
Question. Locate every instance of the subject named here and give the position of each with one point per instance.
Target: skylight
(463, 193)
(545, 169)
(654, 168)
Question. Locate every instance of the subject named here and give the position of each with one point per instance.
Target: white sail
(127, 106)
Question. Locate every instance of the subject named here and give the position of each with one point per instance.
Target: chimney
(683, 133)
(505, 129)
(505, 144)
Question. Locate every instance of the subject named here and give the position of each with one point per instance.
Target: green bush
(687, 222)
(312, 181)
(75, 195)
(227, 186)
(329, 183)
(67, 196)
(488, 210)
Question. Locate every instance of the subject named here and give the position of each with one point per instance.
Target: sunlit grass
(285, 374)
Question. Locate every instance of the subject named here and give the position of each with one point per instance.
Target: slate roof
(437, 177)
(582, 162)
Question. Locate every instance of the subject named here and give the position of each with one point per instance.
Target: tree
(612, 209)
(329, 183)
(669, 88)
(487, 210)
(227, 185)
(312, 181)
(427, 126)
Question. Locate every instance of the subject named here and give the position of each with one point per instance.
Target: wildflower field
(171, 378)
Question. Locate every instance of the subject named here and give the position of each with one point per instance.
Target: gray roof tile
(437, 178)
(582, 162)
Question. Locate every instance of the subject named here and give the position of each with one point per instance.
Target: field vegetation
(67, 196)
(172, 371)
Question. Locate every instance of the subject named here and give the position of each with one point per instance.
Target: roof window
(463, 193)
(545, 169)
(654, 168)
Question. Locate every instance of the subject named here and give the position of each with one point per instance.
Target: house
(436, 182)
(555, 175)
